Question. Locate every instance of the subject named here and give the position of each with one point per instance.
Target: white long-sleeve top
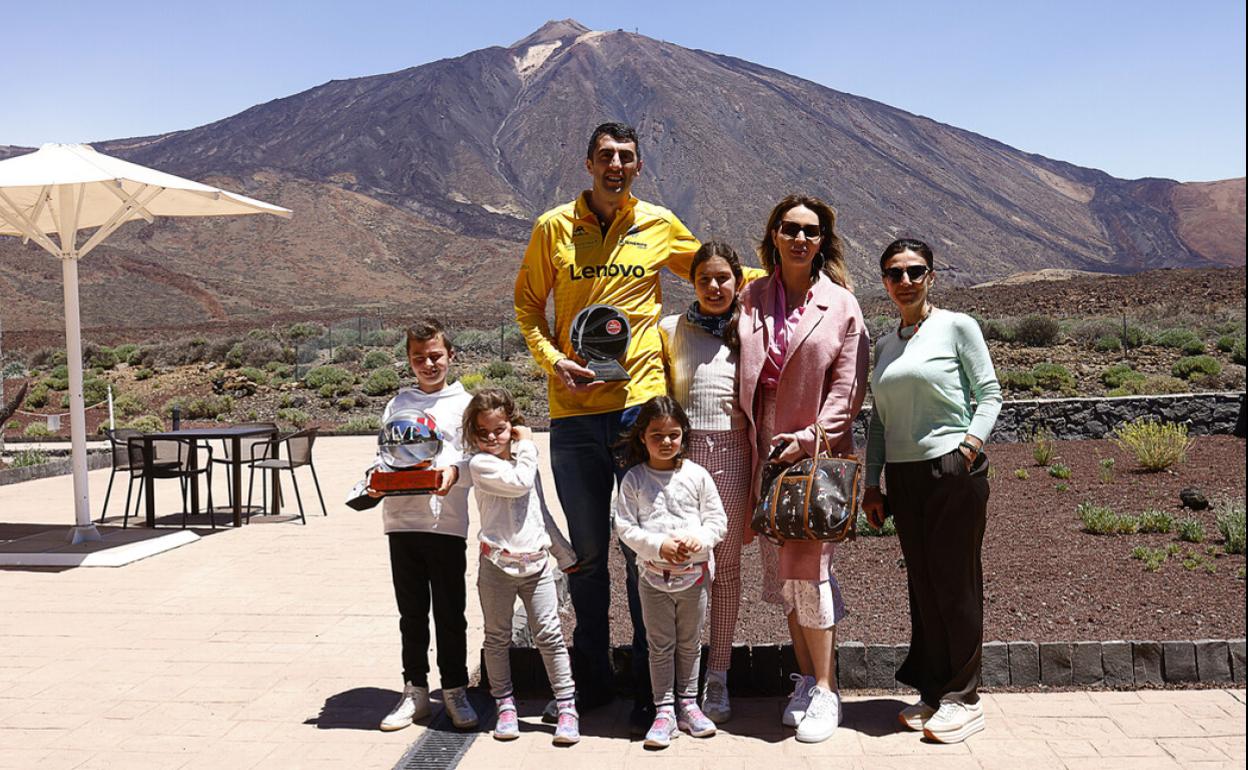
(654, 505)
(441, 514)
(514, 516)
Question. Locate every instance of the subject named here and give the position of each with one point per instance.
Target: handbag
(814, 499)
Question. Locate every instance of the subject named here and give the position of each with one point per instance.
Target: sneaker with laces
(799, 700)
(662, 730)
(507, 725)
(715, 697)
(822, 716)
(413, 704)
(915, 716)
(954, 722)
(692, 720)
(568, 728)
(455, 700)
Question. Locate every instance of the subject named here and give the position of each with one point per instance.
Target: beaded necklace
(927, 311)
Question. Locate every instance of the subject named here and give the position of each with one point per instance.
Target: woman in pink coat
(803, 362)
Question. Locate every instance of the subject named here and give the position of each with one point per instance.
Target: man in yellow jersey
(604, 248)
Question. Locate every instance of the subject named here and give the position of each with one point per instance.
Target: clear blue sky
(1137, 89)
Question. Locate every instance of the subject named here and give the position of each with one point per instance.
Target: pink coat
(823, 379)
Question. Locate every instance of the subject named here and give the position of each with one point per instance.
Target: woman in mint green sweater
(936, 398)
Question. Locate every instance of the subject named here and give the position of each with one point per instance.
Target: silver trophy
(408, 443)
(600, 335)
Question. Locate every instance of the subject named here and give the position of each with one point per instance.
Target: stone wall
(1094, 418)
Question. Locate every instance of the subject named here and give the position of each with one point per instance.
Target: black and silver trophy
(600, 335)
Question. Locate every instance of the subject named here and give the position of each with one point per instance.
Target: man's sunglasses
(791, 229)
(916, 273)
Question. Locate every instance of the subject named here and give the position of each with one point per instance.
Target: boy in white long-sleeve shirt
(669, 512)
(518, 538)
(428, 537)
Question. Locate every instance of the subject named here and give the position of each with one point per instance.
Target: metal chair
(171, 459)
(123, 460)
(244, 451)
(266, 455)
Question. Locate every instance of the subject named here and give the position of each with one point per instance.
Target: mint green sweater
(930, 391)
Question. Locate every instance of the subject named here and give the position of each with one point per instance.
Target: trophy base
(407, 482)
(606, 370)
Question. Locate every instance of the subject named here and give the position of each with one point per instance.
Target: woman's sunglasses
(916, 273)
(791, 229)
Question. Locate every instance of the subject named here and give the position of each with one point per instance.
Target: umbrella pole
(84, 530)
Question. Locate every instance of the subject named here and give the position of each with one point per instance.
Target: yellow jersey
(569, 254)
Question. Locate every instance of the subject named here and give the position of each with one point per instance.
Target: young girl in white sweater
(669, 513)
(700, 352)
(518, 539)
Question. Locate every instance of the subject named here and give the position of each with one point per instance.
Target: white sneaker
(799, 700)
(413, 704)
(455, 700)
(915, 716)
(954, 722)
(822, 717)
(715, 697)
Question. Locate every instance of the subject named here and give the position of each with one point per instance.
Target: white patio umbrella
(63, 188)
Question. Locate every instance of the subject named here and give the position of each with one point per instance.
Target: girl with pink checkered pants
(700, 350)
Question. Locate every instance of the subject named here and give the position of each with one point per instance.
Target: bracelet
(971, 447)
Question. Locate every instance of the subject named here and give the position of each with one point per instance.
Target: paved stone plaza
(277, 646)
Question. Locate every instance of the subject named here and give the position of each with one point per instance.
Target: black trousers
(940, 510)
(428, 569)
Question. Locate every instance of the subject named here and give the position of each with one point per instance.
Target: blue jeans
(584, 459)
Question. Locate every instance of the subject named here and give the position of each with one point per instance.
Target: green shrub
(102, 357)
(37, 430)
(95, 390)
(13, 370)
(347, 353)
(28, 457)
(1052, 376)
(1237, 352)
(1107, 344)
(991, 328)
(375, 359)
(148, 423)
(58, 379)
(1180, 338)
(330, 390)
(320, 376)
(362, 425)
(142, 373)
(1153, 558)
(127, 405)
(1017, 380)
(863, 527)
(345, 404)
(1231, 525)
(1021, 474)
(279, 368)
(304, 331)
(1191, 367)
(296, 417)
(497, 370)
(1107, 470)
(127, 353)
(1156, 445)
(1043, 446)
(472, 382)
(1191, 531)
(381, 382)
(258, 376)
(1118, 374)
(1059, 471)
(383, 338)
(1150, 385)
(1103, 520)
(1061, 486)
(1133, 337)
(1156, 521)
(37, 397)
(1226, 343)
(1037, 331)
(199, 408)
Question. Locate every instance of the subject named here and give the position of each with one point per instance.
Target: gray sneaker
(715, 698)
(799, 700)
(413, 704)
(455, 700)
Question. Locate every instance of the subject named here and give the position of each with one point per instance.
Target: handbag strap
(823, 447)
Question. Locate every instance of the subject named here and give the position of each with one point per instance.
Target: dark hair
(426, 329)
(487, 400)
(708, 251)
(620, 132)
(656, 408)
(831, 255)
(907, 244)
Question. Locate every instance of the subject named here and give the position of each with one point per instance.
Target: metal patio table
(235, 435)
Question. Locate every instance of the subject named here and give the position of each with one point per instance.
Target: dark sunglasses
(916, 273)
(791, 229)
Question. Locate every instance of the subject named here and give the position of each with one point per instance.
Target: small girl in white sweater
(518, 538)
(668, 511)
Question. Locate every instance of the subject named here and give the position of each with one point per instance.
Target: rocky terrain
(415, 190)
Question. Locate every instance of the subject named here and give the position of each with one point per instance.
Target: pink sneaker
(507, 726)
(568, 729)
(662, 730)
(693, 721)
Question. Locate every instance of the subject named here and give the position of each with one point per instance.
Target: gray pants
(497, 591)
(674, 632)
